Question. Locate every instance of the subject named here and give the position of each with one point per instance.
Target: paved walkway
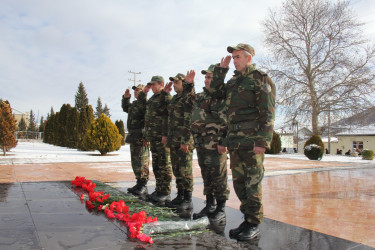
(321, 205)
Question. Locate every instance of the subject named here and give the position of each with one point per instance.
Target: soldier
(209, 128)
(156, 119)
(139, 152)
(180, 140)
(250, 100)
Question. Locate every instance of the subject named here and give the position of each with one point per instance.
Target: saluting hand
(127, 93)
(225, 61)
(168, 87)
(147, 88)
(190, 76)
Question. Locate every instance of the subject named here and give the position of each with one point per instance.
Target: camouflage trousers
(182, 168)
(161, 165)
(140, 158)
(214, 173)
(247, 172)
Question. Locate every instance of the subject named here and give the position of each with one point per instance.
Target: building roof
(367, 130)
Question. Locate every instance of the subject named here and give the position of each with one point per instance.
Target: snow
(39, 152)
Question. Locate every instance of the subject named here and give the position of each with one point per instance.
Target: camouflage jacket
(179, 117)
(250, 103)
(156, 117)
(136, 118)
(208, 121)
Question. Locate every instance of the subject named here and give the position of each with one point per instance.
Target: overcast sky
(48, 47)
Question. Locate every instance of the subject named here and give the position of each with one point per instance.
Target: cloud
(48, 47)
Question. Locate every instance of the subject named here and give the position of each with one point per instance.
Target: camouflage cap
(242, 46)
(209, 70)
(140, 86)
(179, 76)
(156, 79)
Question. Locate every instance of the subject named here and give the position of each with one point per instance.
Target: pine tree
(81, 98)
(72, 127)
(62, 133)
(106, 111)
(22, 125)
(32, 128)
(32, 123)
(103, 135)
(41, 125)
(7, 127)
(121, 129)
(86, 117)
(99, 108)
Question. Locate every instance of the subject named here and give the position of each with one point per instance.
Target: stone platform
(325, 206)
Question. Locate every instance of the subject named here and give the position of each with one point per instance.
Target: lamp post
(295, 124)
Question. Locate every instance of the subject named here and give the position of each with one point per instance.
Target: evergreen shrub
(103, 135)
(275, 147)
(367, 154)
(314, 148)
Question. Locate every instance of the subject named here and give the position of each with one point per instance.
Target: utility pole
(135, 78)
(329, 128)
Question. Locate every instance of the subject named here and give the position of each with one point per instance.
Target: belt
(242, 125)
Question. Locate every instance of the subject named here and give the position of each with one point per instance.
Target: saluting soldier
(138, 151)
(250, 102)
(209, 129)
(180, 140)
(155, 131)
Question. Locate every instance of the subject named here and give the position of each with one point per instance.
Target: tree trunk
(314, 121)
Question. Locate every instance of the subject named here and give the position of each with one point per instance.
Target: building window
(357, 146)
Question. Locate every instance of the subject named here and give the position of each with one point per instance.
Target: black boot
(177, 200)
(141, 189)
(218, 216)
(208, 209)
(160, 199)
(249, 232)
(187, 203)
(150, 197)
(235, 231)
(131, 190)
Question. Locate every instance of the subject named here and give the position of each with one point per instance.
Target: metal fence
(28, 135)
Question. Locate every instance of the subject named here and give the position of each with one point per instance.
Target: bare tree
(320, 59)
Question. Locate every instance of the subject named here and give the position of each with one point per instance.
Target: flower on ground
(117, 209)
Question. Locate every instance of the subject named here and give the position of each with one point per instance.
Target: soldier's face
(207, 80)
(136, 92)
(177, 86)
(156, 87)
(241, 60)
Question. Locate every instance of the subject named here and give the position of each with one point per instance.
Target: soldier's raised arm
(125, 102)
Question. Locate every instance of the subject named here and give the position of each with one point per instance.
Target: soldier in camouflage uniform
(155, 131)
(209, 127)
(180, 140)
(139, 152)
(250, 99)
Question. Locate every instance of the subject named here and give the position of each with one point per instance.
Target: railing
(29, 135)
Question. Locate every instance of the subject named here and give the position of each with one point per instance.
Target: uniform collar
(249, 69)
